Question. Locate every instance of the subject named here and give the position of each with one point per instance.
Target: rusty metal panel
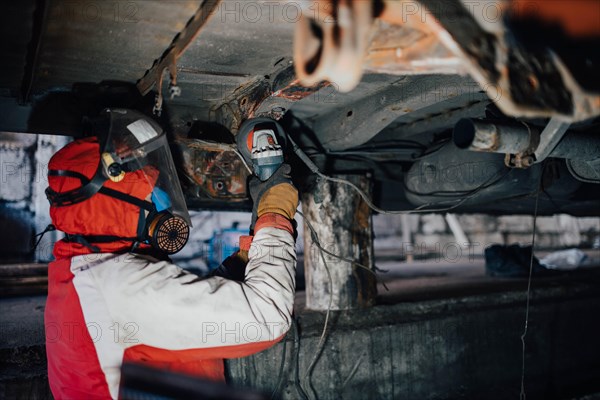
(214, 171)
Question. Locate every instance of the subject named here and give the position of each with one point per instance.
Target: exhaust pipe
(480, 135)
(486, 136)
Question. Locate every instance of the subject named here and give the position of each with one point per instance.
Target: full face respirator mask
(132, 145)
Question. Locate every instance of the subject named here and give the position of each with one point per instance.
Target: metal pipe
(481, 135)
(486, 136)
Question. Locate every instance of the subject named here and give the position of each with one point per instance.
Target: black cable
(316, 241)
(374, 167)
(421, 209)
(281, 369)
(388, 144)
(439, 147)
(297, 361)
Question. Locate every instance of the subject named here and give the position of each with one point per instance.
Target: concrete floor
(441, 331)
(423, 279)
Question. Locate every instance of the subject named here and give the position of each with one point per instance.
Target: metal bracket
(526, 158)
(541, 144)
(168, 60)
(549, 138)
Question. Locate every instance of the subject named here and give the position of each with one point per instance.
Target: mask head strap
(87, 190)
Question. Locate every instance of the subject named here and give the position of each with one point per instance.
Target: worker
(113, 296)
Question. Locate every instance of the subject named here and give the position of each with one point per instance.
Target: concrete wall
(430, 232)
(453, 348)
(23, 205)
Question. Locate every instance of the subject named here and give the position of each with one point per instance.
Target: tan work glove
(276, 195)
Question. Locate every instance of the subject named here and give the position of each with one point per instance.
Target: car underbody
(487, 107)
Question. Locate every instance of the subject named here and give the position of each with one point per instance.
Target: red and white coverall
(104, 309)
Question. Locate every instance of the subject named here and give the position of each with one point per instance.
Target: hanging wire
(322, 339)
(367, 200)
(322, 251)
(341, 258)
(315, 239)
(522, 395)
(320, 345)
(297, 357)
(421, 209)
(275, 393)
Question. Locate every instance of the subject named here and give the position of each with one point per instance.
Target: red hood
(100, 214)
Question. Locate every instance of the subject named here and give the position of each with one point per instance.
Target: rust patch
(494, 142)
(579, 18)
(214, 170)
(294, 91)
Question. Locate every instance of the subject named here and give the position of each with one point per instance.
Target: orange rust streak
(579, 18)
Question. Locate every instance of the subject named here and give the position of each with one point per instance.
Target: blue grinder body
(265, 167)
(260, 142)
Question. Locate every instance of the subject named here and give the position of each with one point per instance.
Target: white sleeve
(173, 309)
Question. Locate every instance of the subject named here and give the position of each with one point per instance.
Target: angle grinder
(261, 142)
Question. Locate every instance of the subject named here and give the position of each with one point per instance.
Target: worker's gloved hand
(275, 195)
